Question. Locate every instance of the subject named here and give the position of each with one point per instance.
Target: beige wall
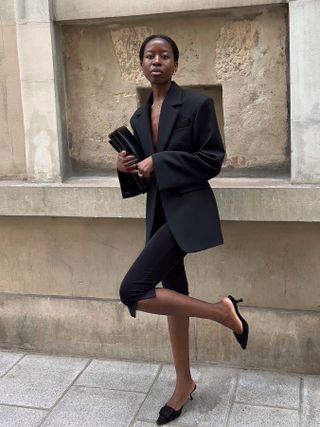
(269, 264)
(244, 52)
(12, 156)
(59, 292)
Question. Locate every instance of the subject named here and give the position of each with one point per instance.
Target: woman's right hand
(126, 163)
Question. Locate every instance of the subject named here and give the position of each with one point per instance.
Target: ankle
(184, 382)
(219, 312)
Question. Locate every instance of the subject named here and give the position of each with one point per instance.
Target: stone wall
(269, 264)
(244, 53)
(60, 278)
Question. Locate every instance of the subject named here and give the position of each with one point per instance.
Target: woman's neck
(160, 92)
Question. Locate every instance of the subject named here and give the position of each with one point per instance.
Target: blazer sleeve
(175, 169)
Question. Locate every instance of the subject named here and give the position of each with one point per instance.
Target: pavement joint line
(121, 359)
(65, 391)
(134, 419)
(232, 399)
(48, 353)
(301, 406)
(15, 363)
(258, 405)
(12, 405)
(271, 370)
(109, 388)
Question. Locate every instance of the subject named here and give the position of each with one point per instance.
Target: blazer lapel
(168, 115)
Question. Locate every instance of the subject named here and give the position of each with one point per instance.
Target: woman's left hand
(145, 167)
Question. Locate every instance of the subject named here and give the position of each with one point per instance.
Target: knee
(124, 292)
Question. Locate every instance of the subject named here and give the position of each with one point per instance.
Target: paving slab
(7, 360)
(13, 416)
(211, 399)
(95, 407)
(269, 388)
(119, 375)
(311, 401)
(39, 380)
(259, 416)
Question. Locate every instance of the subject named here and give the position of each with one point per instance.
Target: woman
(179, 134)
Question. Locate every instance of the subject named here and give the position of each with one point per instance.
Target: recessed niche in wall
(238, 57)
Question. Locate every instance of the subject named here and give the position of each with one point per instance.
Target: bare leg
(172, 303)
(179, 338)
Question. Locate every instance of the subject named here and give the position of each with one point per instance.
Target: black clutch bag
(122, 139)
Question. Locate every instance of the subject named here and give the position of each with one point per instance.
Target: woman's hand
(145, 167)
(126, 163)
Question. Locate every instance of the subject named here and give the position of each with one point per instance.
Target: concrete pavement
(60, 391)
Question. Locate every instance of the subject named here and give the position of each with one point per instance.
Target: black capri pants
(162, 260)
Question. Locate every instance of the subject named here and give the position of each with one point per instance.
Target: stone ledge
(290, 342)
(239, 199)
(98, 9)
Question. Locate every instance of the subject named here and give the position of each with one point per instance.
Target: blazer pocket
(182, 123)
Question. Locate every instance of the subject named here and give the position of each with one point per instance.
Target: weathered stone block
(33, 10)
(81, 9)
(41, 129)
(7, 12)
(268, 264)
(305, 90)
(281, 340)
(68, 257)
(305, 139)
(286, 340)
(84, 327)
(126, 42)
(35, 39)
(12, 155)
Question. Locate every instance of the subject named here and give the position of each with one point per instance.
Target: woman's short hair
(163, 37)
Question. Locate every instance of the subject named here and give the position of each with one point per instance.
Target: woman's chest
(154, 124)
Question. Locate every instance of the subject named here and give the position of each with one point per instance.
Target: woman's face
(158, 63)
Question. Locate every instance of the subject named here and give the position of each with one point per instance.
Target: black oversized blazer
(189, 151)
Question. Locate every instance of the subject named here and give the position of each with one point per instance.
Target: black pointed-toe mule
(241, 338)
(167, 414)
